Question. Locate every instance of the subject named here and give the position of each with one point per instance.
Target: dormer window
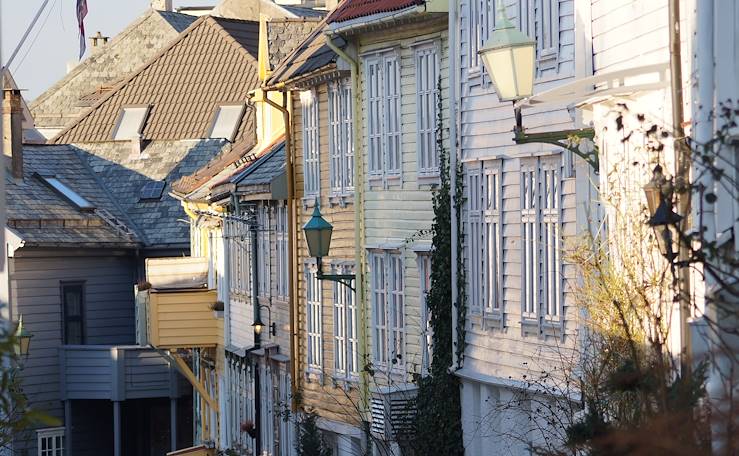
(67, 193)
(152, 191)
(130, 122)
(226, 121)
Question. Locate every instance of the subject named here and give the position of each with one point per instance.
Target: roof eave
(375, 21)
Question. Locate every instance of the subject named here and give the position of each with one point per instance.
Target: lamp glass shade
(258, 326)
(24, 344)
(654, 195)
(509, 58)
(318, 235)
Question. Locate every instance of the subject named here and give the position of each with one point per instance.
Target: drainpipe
(358, 210)
(453, 117)
(253, 229)
(682, 173)
(291, 244)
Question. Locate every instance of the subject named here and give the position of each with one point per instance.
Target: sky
(54, 42)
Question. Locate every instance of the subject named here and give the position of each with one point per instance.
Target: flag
(81, 13)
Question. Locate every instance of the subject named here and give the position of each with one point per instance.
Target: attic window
(67, 193)
(130, 122)
(226, 121)
(152, 191)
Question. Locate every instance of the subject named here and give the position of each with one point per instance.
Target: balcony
(116, 373)
(177, 310)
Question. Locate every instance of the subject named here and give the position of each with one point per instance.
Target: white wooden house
(521, 205)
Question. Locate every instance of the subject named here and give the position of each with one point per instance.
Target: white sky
(54, 41)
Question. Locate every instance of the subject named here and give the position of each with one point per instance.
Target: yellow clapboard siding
(183, 320)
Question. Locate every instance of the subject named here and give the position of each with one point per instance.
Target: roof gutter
(387, 19)
(359, 240)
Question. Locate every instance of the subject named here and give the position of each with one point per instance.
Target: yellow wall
(183, 320)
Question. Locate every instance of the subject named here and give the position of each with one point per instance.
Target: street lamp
(662, 218)
(24, 339)
(509, 57)
(318, 237)
(259, 325)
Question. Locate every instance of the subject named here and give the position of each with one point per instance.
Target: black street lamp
(662, 218)
(259, 325)
(318, 237)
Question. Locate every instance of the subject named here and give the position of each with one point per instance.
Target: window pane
(130, 123)
(227, 120)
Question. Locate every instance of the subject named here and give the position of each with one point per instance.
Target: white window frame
(427, 332)
(346, 341)
(474, 237)
(542, 299)
(480, 21)
(314, 319)
(281, 247)
(539, 19)
(493, 238)
(384, 140)
(311, 144)
(388, 310)
(142, 111)
(55, 436)
(341, 143)
(218, 126)
(264, 253)
(239, 245)
(427, 98)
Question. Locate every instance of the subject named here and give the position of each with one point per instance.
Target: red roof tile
(353, 9)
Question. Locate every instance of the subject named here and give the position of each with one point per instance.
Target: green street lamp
(509, 57)
(24, 339)
(318, 237)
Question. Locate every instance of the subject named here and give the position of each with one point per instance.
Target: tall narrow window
(548, 38)
(424, 274)
(388, 302)
(481, 21)
(282, 253)
(530, 240)
(550, 233)
(427, 99)
(379, 315)
(314, 318)
(264, 254)
(345, 329)
(311, 145)
(493, 240)
(383, 115)
(474, 237)
(341, 146)
(73, 295)
(50, 442)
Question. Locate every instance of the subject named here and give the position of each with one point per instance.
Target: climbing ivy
(438, 419)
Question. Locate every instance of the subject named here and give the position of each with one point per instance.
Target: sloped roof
(60, 104)
(124, 175)
(354, 9)
(42, 217)
(190, 183)
(264, 171)
(284, 35)
(311, 55)
(214, 61)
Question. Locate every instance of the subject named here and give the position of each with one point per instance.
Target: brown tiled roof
(354, 9)
(214, 61)
(311, 55)
(188, 184)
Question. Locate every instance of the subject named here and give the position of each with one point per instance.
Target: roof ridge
(92, 58)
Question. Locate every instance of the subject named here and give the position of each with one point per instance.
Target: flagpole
(25, 35)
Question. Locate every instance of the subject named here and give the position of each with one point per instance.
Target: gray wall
(35, 278)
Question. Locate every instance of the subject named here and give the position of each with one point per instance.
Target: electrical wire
(38, 33)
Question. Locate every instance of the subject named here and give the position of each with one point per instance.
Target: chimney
(98, 41)
(13, 131)
(162, 5)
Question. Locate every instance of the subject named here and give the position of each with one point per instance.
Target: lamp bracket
(561, 138)
(344, 279)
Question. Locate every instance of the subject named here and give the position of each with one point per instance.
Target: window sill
(314, 375)
(346, 383)
(430, 179)
(310, 201)
(340, 200)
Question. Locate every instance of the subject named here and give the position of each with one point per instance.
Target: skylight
(68, 194)
(226, 121)
(130, 122)
(151, 191)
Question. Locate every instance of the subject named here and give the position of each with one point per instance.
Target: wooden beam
(187, 372)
